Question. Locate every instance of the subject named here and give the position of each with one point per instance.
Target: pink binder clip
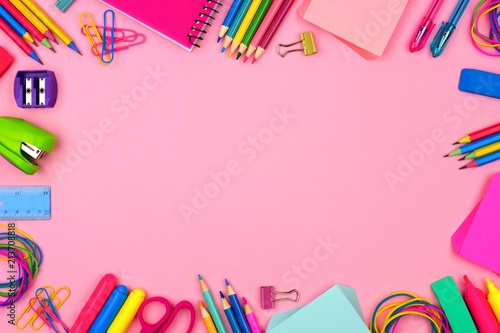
(267, 299)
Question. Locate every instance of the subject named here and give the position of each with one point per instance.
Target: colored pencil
(233, 29)
(228, 20)
(18, 28)
(273, 27)
(252, 319)
(467, 148)
(252, 29)
(271, 13)
(482, 133)
(230, 314)
(26, 23)
(483, 160)
(56, 29)
(212, 308)
(483, 151)
(18, 40)
(33, 19)
(207, 319)
(244, 26)
(238, 310)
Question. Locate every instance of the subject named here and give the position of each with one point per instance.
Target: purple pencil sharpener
(35, 89)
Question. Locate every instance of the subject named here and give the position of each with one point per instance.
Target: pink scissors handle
(166, 320)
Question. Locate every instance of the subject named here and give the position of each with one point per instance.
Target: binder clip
(308, 45)
(35, 89)
(267, 299)
(24, 144)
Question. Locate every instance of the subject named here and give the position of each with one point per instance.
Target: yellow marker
(49, 23)
(494, 298)
(127, 312)
(32, 18)
(244, 25)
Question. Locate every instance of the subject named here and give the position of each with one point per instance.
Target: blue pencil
(229, 18)
(233, 29)
(238, 310)
(475, 145)
(230, 315)
(18, 28)
(483, 160)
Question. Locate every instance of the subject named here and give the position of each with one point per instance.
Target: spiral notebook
(182, 22)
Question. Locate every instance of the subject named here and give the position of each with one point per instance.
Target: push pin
(267, 299)
(308, 45)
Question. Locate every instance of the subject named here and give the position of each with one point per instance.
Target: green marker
(252, 28)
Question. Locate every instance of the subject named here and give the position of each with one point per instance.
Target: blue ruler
(24, 203)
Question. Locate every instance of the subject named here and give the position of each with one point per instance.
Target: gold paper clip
(55, 298)
(308, 45)
(86, 27)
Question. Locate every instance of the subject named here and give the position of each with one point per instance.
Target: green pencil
(252, 29)
(212, 308)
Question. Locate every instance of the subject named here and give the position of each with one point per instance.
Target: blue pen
(446, 30)
(230, 315)
(238, 310)
(236, 23)
(18, 28)
(475, 145)
(109, 310)
(229, 18)
(483, 160)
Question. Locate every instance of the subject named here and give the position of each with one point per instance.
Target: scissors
(170, 313)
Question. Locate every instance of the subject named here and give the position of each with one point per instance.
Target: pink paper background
(322, 177)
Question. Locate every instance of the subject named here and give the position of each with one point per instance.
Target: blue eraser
(63, 5)
(479, 82)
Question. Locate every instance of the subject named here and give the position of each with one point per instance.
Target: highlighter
(494, 298)
(127, 312)
(480, 309)
(110, 310)
(94, 304)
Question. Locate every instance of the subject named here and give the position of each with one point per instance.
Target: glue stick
(494, 298)
(127, 312)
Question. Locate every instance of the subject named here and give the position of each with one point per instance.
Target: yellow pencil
(33, 19)
(244, 25)
(209, 323)
(57, 30)
(483, 151)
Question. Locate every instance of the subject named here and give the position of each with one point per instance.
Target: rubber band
(24, 258)
(414, 306)
(480, 40)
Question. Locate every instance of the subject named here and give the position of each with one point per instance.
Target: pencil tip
(446, 155)
(199, 277)
(221, 294)
(463, 158)
(52, 49)
(245, 59)
(457, 143)
(223, 49)
(227, 282)
(218, 39)
(254, 60)
(244, 300)
(464, 167)
(40, 61)
(238, 56)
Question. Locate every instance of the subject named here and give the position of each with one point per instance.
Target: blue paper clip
(108, 50)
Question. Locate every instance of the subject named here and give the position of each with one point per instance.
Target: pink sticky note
(364, 26)
(477, 239)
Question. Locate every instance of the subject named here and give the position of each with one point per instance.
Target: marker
(238, 310)
(252, 319)
(207, 319)
(109, 310)
(127, 312)
(212, 308)
(425, 28)
(18, 28)
(19, 40)
(479, 308)
(494, 298)
(230, 315)
(57, 30)
(33, 19)
(228, 20)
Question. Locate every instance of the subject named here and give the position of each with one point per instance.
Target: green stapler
(23, 144)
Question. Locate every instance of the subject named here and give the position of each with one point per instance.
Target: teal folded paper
(336, 310)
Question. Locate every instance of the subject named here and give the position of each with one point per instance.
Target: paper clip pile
(112, 39)
(44, 306)
(416, 306)
(492, 38)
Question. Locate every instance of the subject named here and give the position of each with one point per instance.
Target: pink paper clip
(129, 40)
(267, 299)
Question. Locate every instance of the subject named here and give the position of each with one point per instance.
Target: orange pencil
(209, 323)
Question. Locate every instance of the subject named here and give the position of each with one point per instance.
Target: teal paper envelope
(335, 311)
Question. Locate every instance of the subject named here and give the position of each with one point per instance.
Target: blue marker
(109, 310)
(229, 18)
(483, 160)
(233, 29)
(446, 30)
(18, 27)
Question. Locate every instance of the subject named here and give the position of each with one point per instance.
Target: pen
(482, 133)
(18, 40)
(238, 310)
(467, 148)
(231, 14)
(252, 320)
(209, 323)
(444, 33)
(212, 308)
(479, 308)
(483, 160)
(229, 314)
(425, 28)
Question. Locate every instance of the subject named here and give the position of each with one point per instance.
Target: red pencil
(18, 40)
(26, 23)
(480, 134)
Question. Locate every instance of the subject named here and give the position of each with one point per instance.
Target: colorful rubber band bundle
(24, 258)
(491, 39)
(415, 306)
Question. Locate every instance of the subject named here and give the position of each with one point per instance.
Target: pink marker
(94, 304)
(476, 301)
(424, 30)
